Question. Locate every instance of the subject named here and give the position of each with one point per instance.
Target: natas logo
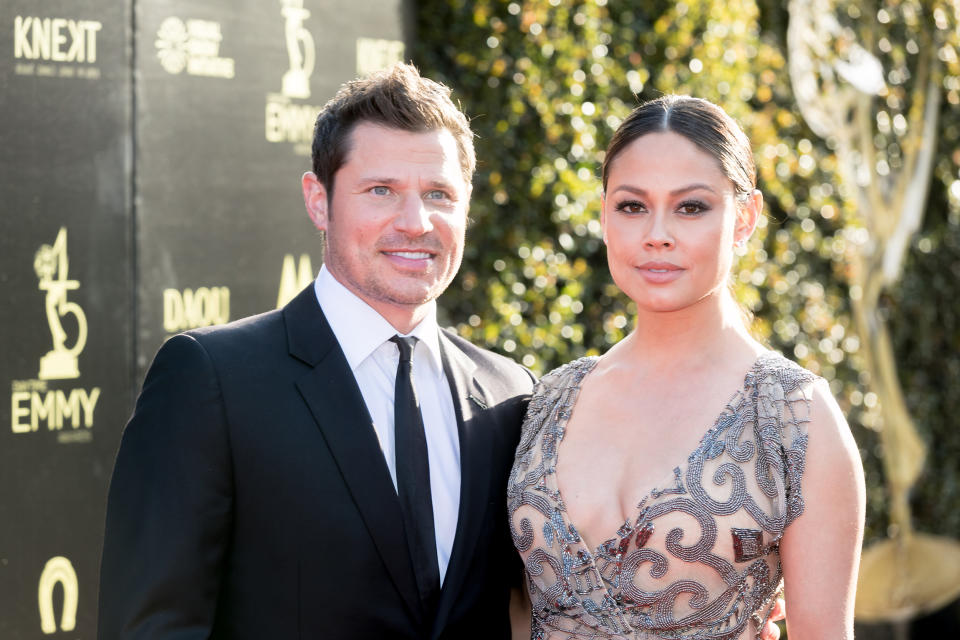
(192, 46)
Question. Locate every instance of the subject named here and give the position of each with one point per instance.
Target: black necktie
(413, 478)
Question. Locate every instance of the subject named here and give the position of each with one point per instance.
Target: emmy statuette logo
(58, 570)
(51, 266)
(296, 81)
(33, 402)
(286, 118)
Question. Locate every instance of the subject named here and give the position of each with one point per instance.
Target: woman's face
(670, 222)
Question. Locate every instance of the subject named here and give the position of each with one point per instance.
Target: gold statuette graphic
(58, 569)
(51, 267)
(296, 81)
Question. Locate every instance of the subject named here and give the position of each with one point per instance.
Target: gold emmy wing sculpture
(909, 573)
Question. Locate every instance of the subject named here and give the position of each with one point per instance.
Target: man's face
(396, 222)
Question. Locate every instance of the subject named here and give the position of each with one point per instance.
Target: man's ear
(315, 199)
(747, 217)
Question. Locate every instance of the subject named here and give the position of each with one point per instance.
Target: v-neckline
(564, 419)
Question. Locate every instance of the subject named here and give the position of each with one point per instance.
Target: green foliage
(548, 81)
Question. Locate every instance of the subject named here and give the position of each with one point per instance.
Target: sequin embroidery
(667, 572)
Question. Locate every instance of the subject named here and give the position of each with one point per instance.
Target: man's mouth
(410, 255)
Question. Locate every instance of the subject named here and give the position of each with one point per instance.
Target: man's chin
(413, 296)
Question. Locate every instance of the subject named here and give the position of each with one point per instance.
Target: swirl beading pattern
(700, 558)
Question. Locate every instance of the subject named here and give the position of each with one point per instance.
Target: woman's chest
(696, 547)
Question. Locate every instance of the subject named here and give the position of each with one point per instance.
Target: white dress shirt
(364, 337)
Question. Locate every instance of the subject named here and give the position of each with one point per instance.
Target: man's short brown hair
(399, 98)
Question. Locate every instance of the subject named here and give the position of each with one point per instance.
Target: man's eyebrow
(379, 179)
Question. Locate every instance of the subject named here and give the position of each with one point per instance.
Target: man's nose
(413, 218)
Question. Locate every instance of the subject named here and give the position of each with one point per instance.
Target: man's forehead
(369, 129)
(378, 151)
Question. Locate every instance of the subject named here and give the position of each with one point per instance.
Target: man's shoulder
(253, 334)
(242, 327)
(237, 352)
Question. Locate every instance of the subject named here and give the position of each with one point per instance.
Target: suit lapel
(334, 399)
(470, 401)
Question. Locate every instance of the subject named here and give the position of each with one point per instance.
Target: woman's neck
(710, 330)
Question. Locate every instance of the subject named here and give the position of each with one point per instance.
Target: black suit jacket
(250, 497)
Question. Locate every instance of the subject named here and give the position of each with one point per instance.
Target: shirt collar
(360, 330)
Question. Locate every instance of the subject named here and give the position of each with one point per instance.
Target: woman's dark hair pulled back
(699, 121)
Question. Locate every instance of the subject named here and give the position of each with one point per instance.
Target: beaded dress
(699, 558)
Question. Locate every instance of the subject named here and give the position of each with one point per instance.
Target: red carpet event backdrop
(149, 183)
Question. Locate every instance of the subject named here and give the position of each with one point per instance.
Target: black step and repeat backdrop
(150, 163)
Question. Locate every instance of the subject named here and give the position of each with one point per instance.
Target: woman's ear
(747, 216)
(603, 215)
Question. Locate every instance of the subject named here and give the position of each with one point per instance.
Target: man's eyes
(434, 194)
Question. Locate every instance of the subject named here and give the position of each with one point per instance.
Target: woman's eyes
(631, 206)
(685, 208)
(692, 207)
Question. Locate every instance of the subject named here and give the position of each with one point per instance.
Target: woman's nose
(659, 234)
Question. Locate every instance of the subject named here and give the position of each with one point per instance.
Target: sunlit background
(853, 109)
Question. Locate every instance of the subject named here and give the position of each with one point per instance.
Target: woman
(663, 489)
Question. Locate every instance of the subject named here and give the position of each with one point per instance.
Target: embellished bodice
(699, 557)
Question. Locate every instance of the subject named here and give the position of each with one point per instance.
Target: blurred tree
(548, 81)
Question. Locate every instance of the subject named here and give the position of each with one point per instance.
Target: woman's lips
(660, 272)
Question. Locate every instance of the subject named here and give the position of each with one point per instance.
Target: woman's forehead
(663, 160)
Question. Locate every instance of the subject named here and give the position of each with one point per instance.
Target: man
(277, 479)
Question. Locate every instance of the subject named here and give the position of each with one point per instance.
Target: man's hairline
(348, 146)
